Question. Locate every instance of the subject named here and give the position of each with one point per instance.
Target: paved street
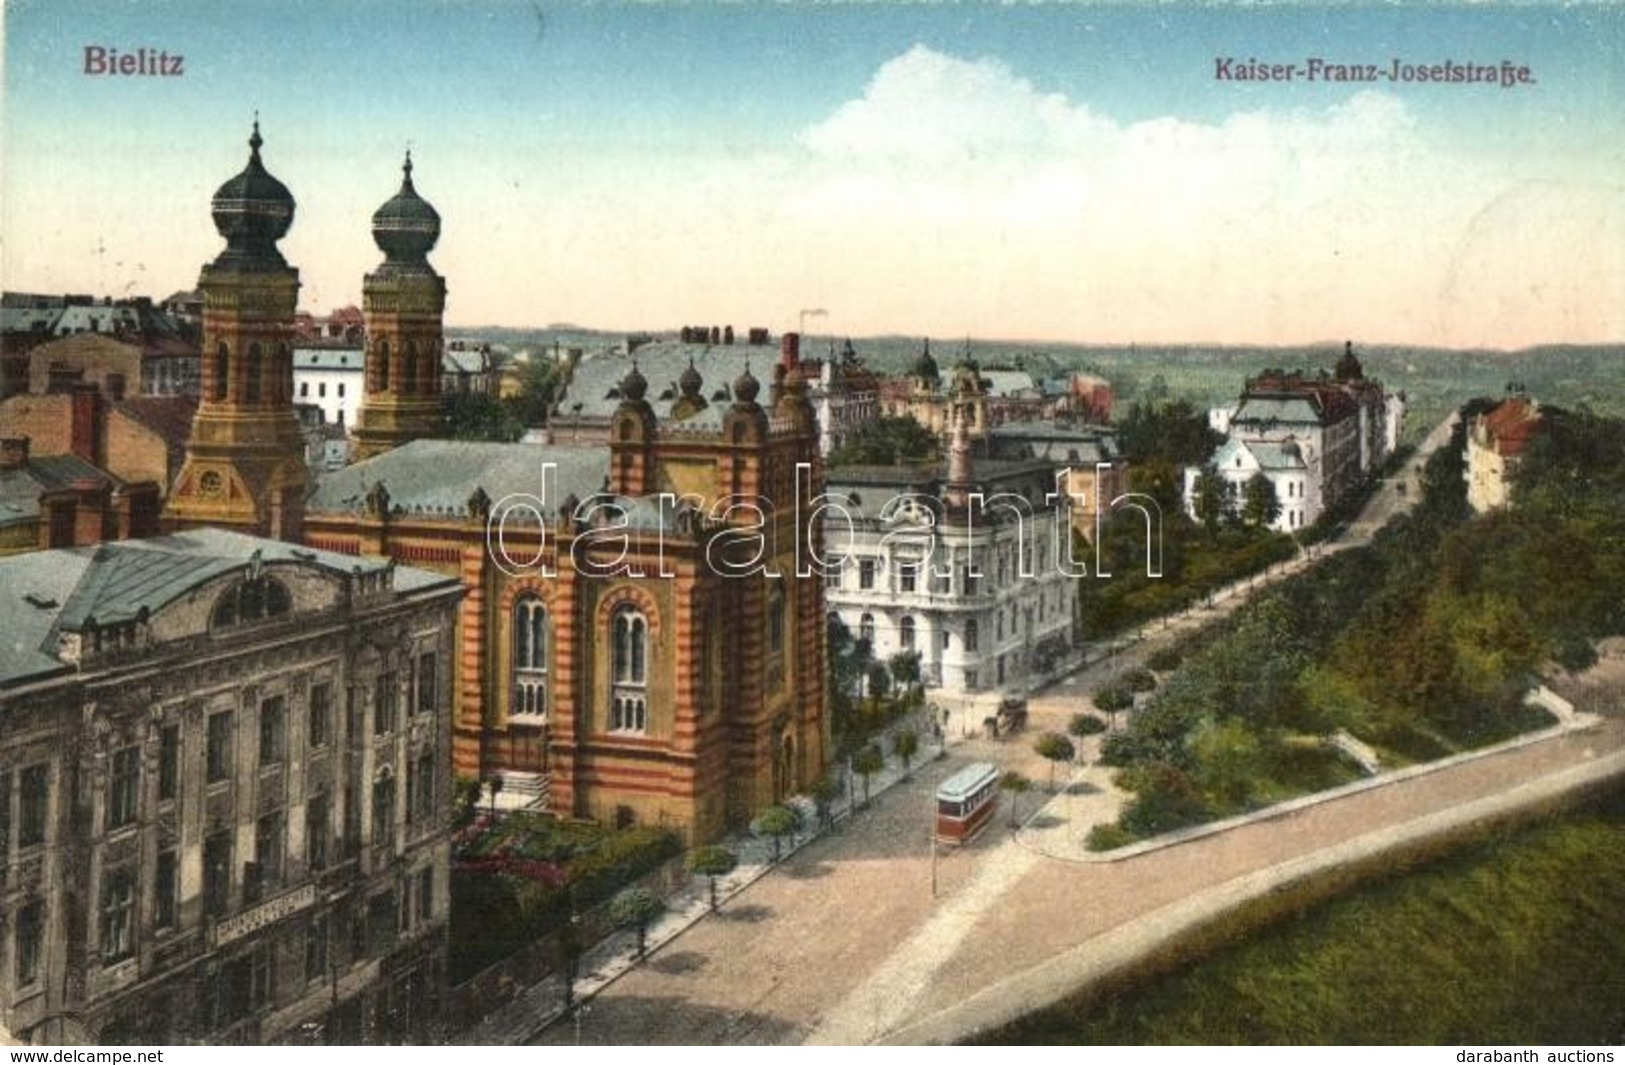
(845, 941)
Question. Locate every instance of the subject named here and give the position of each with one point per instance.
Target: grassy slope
(1521, 939)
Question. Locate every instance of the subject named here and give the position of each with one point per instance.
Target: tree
(1016, 784)
(777, 822)
(1139, 679)
(1083, 725)
(635, 908)
(886, 441)
(538, 378)
(866, 763)
(824, 792)
(711, 862)
(1210, 500)
(1112, 700)
(905, 669)
(1259, 504)
(1055, 748)
(473, 416)
(906, 742)
(879, 681)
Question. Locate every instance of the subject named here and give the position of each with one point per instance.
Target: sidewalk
(541, 1004)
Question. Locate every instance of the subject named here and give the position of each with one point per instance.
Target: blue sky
(1059, 170)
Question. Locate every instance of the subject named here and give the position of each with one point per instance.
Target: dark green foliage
(906, 744)
(1138, 680)
(777, 822)
(520, 881)
(1108, 837)
(1083, 725)
(866, 763)
(1164, 660)
(635, 908)
(1014, 784)
(1420, 644)
(886, 441)
(1054, 748)
(1259, 505)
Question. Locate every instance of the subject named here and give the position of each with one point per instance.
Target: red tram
(966, 802)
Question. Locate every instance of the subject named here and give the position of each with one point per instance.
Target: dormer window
(255, 599)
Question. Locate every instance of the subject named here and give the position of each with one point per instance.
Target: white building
(1316, 438)
(963, 566)
(332, 379)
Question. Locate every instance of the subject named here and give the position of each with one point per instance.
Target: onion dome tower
(403, 302)
(245, 459)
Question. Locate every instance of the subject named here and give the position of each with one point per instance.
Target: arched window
(409, 368)
(222, 369)
(252, 600)
(775, 620)
(629, 655)
(251, 387)
(905, 633)
(866, 629)
(530, 638)
(383, 366)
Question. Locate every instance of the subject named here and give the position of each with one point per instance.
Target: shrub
(1109, 836)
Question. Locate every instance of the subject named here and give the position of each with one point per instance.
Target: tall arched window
(409, 368)
(629, 653)
(775, 620)
(530, 639)
(251, 387)
(383, 366)
(222, 369)
(905, 633)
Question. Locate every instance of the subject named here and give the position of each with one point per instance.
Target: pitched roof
(437, 477)
(20, 489)
(595, 381)
(45, 593)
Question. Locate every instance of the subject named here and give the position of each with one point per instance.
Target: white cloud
(1004, 208)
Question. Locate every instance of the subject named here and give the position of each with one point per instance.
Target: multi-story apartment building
(224, 793)
(1315, 438)
(1496, 441)
(965, 566)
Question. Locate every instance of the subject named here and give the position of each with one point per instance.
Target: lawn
(1519, 939)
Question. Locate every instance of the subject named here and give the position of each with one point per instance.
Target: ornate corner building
(224, 770)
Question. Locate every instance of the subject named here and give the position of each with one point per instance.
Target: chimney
(716, 336)
(14, 453)
(85, 436)
(790, 351)
(91, 510)
(728, 336)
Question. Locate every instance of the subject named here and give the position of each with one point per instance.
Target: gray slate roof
(20, 489)
(437, 477)
(599, 374)
(46, 592)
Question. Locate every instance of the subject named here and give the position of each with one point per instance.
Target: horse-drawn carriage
(1010, 718)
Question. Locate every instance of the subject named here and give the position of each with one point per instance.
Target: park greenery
(479, 416)
(1420, 644)
(1504, 942)
(521, 877)
(866, 695)
(886, 441)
